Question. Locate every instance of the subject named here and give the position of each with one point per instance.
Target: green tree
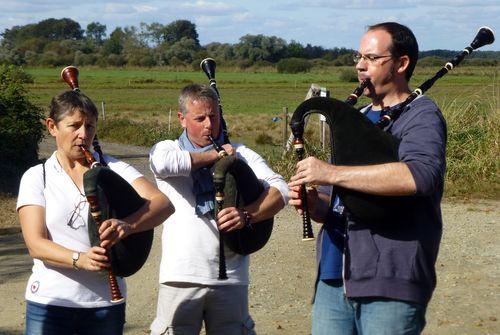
(49, 29)
(220, 51)
(184, 51)
(295, 50)
(177, 30)
(96, 32)
(21, 129)
(114, 45)
(259, 47)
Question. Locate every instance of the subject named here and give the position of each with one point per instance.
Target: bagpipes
(355, 140)
(111, 196)
(235, 186)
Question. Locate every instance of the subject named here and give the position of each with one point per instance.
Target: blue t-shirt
(332, 245)
(374, 116)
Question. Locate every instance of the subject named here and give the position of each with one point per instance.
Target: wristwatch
(76, 257)
(247, 219)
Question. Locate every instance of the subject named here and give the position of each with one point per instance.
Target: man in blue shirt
(378, 277)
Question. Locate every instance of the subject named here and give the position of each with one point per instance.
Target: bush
(294, 65)
(21, 129)
(432, 61)
(263, 138)
(349, 76)
(116, 60)
(85, 59)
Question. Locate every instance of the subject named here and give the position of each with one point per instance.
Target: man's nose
(208, 123)
(361, 65)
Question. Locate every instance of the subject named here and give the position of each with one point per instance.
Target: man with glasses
(378, 277)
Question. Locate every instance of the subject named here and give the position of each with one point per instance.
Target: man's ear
(51, 126)
(403, 63)
(182, 119)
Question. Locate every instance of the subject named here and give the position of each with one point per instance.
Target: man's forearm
(383, 179)
(201, 159)
(266, 206)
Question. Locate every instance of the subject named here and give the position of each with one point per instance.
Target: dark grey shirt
(396, 260)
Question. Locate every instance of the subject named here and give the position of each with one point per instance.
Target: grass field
(137, 104)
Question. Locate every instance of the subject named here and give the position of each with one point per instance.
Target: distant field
(143, 94)
(468, 96)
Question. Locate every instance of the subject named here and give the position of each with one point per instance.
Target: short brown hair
(404, 43)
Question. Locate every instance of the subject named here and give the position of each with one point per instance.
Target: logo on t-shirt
(35, 286)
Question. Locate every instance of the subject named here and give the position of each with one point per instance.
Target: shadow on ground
(10, 332)
(14, 258)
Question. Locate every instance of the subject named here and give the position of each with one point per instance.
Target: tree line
(57, 42)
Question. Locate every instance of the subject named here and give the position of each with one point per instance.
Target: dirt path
(466, 300)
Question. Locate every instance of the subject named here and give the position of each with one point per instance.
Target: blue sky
(437, 24)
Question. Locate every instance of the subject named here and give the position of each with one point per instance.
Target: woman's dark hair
(404, 43)
(68, 102)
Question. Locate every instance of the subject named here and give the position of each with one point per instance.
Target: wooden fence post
(285, 126)
(169, 119)
(103, 107)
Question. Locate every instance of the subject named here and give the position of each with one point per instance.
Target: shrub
(348, 75)
(20, 128)
(293, 65)
(85, 59)
(263, 138)
(433, 61)
(116, 60)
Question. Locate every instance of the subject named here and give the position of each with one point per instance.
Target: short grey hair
(196, 92)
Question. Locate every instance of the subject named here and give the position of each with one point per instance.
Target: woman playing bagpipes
(68, 291)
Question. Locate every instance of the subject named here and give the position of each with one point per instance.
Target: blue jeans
(333, 314)
(57, 320)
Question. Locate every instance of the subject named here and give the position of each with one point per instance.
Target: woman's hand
(113, 230)
(94, 259)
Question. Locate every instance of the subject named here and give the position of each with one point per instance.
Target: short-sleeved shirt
(66, 219)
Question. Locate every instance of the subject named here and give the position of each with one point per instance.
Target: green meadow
(138, 104)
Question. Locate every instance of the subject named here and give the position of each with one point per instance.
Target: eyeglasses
(371, 58)
(75, 220)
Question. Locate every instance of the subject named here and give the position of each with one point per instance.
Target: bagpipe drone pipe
(235, 186)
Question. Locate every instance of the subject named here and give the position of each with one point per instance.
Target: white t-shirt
(190, 243)
(66, 215)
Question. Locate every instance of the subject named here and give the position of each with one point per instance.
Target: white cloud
(242, 17)
(118, 8)
(145, 8)
(209, 8)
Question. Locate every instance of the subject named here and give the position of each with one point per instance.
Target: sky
(437, 24)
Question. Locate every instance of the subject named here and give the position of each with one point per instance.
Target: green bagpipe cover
(241, 187)
(118, 199)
